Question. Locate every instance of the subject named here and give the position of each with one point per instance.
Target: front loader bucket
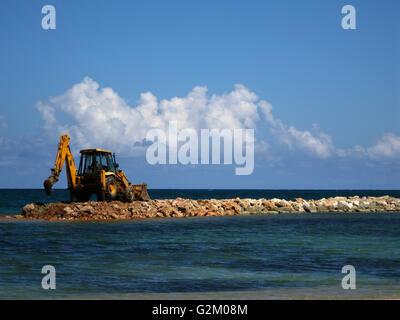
(48, 184)
(141, 192)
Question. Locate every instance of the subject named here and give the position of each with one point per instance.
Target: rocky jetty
(197, 208)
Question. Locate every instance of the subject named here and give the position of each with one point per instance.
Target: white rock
(298, 206)
(306, 206)
(68, 211)
(344, 205)
(364, 204)
(28, 207)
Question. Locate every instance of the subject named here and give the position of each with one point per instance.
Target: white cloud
(100, 117)
(319, 143)
(387, 147)
(353, 152)
(95, 116)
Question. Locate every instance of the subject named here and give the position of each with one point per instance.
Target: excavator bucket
(48, 184)
(141, 192)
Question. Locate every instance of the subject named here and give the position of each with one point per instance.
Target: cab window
(89, 164)
(93, 164)
(110, 162)
(103, 164)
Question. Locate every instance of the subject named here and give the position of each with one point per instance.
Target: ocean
(255, 257)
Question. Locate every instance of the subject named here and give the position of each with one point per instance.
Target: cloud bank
(95, 116)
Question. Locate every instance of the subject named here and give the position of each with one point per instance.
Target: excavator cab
(94, 160)
(97, 174)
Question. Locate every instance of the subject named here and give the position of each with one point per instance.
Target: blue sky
(292, 54)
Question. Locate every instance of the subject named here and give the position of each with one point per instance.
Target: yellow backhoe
(97, 174)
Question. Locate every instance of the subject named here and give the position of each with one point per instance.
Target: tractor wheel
(83, 196)
(129, 194)
(111, 188)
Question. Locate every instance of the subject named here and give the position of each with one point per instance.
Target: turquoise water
(259, 256)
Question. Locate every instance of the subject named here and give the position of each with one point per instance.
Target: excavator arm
(64, 155)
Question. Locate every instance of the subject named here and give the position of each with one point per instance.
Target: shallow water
(260, 256)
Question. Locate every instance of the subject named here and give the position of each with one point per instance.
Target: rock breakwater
(196, 208)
